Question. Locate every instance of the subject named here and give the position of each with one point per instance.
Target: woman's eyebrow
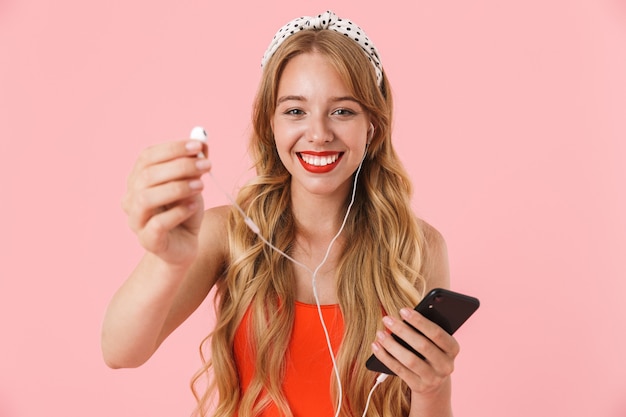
(289, 98)
(302, 98)
(344, 98)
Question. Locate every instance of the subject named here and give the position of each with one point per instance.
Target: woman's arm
(158, 297)
(185, 251)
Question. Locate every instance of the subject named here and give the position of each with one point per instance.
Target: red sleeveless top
(309, 368)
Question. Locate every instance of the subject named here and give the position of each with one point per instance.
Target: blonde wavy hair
(380, 271)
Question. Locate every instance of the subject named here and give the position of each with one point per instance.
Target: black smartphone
(447, 309)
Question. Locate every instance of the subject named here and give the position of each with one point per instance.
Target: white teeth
(319, 161)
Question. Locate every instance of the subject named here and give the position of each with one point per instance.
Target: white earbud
(198, 133)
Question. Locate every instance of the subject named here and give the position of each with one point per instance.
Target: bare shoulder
(212, 244)
(214, 232)
(435, 266)
(434, 239)
(217, 217)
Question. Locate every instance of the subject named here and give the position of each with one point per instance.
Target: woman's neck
(318, 218)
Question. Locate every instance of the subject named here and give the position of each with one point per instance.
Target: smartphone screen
(448, 309)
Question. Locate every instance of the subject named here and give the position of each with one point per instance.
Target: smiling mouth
(319, 162)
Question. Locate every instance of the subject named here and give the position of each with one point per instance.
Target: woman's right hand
(163, 199)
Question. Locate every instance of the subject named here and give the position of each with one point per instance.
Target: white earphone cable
(255, 228)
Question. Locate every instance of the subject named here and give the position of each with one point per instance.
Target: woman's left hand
(439, 349)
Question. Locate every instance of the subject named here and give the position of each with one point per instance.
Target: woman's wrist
(168, 271)
(434, 403)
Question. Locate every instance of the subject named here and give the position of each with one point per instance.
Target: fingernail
(195, 184)
(375, 347)
(193, 145)
(381, 335)
(404, 312)
(203, 164)
(388, 321)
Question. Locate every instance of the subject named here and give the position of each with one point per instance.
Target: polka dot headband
(327, 20)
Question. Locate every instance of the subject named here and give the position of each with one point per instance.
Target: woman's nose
(319, 130)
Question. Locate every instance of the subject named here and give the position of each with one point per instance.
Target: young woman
(348, 261)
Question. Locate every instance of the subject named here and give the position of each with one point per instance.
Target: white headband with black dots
(327, 20)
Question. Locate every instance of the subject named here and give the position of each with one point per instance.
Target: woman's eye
(294, 112)
(343, 112)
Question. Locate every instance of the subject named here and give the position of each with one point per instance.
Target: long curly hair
(380, 271)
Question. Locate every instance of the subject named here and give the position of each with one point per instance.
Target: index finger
(167, 151)
(431, 330)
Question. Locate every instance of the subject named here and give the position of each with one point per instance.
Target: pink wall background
(510, 116)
